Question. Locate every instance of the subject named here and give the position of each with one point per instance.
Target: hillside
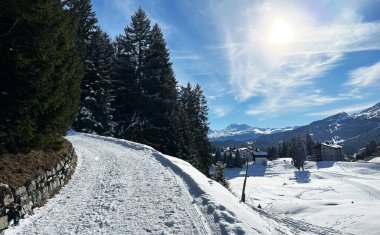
(336, 195)
(121, 187)
(351, 131)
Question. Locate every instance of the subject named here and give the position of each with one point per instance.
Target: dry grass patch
(19, 169)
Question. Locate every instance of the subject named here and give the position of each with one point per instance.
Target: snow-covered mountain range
(241, 132)
(351, 131)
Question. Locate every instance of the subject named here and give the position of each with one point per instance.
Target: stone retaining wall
(15, 203)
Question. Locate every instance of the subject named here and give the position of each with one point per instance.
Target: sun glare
(281, 32)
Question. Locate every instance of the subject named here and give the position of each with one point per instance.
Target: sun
(281, 32)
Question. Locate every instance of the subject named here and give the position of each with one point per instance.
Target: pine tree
(132, 49)
(218, 156)
(309, 144)
(160, 95)
(95, 111)
(85, 18)
(219, 174)
(40, 75)
(195, 122)
(238, 161)
(298, 151)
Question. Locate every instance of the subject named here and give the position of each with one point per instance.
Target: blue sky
(267, 63)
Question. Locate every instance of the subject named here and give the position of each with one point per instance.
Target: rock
(28, 208)
(6, 197)
(45, 192)
(20, 191)
(3, 222)
(36, 197)
(32, 186)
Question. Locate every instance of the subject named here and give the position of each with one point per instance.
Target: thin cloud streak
(364, 76)
(349, 109)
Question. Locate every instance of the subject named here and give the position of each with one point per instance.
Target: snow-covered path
(121, 187)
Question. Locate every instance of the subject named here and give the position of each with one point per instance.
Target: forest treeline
(59, 69)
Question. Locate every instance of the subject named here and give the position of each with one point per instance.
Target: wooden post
(245, 181)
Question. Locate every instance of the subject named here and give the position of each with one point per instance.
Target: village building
(327, 152)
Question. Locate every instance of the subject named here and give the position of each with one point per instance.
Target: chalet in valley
(327, 152)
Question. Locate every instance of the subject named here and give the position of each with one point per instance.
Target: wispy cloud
(348, 109)
(220, 111)
(364, 76)
(285, 76)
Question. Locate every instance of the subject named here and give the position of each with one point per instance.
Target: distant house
(245, 153)
(327, 152)
(260, 157)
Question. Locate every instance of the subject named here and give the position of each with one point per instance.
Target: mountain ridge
(351, 131)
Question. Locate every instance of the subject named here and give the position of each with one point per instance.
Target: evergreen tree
(225, 157)
(370, 148)
(132, 49)
(194, 107)
(40, 73)
(273, 152)
(85, 18)
(238, 161)
(218, 156)
(298, 151)
(160, 95)
(219, 174)
(95, 111)
(309, 144)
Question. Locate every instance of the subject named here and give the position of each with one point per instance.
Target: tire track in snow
(117, 191)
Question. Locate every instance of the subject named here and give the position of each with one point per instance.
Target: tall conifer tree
(40, 75)
(131, 55)
(95, 112)
(160, 94)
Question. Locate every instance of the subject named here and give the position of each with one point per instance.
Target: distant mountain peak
(238, 127)
(369, 113)
(337, 117)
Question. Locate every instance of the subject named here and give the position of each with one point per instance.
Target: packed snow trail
(121, 187)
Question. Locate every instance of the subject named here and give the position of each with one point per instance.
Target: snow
(329, 197)
(120, 187)
(243, 129)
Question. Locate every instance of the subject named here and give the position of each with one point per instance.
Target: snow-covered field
(342, 196)
(121, 187)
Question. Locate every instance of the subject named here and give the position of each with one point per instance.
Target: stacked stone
(16, 203)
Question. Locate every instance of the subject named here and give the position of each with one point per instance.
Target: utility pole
(245, 181)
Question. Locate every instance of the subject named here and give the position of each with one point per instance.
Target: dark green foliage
(159, 94)
(219, 174)
(298, 151)
(309, 144)
(40, 73)
(218, 156)
(149, 109)
(85, 18)
(131, 53)
(273, 153)
(95, 112)
(371, 149)
(193, 106)
(238, 161)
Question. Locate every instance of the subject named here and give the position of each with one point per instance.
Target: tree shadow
(325, 164)
(253, 170)
(302, 176)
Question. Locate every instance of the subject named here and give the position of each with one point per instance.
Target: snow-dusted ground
(121, 187)
(328, 196)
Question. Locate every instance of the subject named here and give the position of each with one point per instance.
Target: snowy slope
(328, 197)
(121, 187)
